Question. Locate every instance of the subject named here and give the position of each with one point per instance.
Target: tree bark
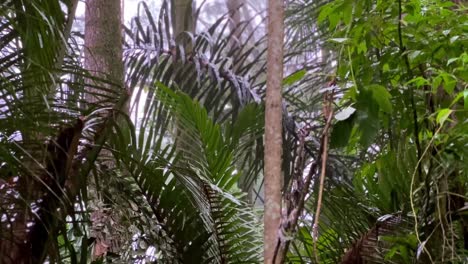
(183, 16)
(103, 42)
(273, 127)
(234, 8)
(103, 58)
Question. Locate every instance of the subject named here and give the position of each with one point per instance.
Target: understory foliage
(180, 180)
(402, 94)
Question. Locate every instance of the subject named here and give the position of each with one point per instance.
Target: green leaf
(436, 83)
(347, 12)
(325, 11)
(442, 115)
(293, 78)
(382, 97)
(350, 94)
(368, 127)
(333, 19)
(449, 82)
(362, 47)
(419, 81)
(386, 67)
(341, 132)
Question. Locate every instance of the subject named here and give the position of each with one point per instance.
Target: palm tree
(184, 204)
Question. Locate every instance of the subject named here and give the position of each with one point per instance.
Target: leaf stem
(328, 113)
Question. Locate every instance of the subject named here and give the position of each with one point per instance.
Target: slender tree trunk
(67, 31)
(234, 8)
(183, 16)
(237, 9)
(183, 20)
(273, 127)
(103, 58)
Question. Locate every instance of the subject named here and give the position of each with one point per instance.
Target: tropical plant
(401, 90)
(188, 156)
(185, 203)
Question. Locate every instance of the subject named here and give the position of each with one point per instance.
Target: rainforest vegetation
(233, 131)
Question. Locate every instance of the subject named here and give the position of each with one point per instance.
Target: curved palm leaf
(192, 193)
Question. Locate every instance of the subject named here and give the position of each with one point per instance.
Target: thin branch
(328, 114)
(290, 216)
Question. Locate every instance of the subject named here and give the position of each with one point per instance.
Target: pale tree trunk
(235, 12)
(240, 35)
(273, 127)
(183, 16)
(103, 58)
(183, 19)
(234, 8)
(239, 12)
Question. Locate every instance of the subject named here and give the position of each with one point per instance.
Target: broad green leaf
(459, 96)
(325, 12)
(347, 9)
(449, 82)
(368, 127)
(351, 94)
(334, 18)
(382, 96)
(442, 115)
(436, 83)
(419, 81)
(341, 132)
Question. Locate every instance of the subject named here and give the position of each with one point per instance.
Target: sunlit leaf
(443, 115)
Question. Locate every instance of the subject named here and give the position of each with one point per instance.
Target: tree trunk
(237, 9)
(234, 8)
(273, 127)
(103, 41)
(103, 58)
(183, 16)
